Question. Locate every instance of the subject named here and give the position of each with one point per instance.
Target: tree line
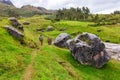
(73, 13)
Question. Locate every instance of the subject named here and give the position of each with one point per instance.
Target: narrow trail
(30, 70)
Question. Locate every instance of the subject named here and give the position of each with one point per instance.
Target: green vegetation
(76, 13)
(50, 62)
(13, 57)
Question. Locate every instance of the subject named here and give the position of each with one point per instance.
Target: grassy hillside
(49, 62)
(13, 57)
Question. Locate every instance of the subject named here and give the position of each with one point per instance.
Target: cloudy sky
(96, 6)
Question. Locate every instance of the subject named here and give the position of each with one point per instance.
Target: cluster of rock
(16, 30)
(86, 48)
(15, 33)
(14, 22)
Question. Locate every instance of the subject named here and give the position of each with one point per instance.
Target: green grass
(48, 68)
(110, 33)
(14, 58)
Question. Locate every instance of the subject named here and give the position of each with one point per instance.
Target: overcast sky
(96, 6)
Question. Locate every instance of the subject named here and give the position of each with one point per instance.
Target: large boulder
(88, 49)
(61, 39)
(15, 33)
(14, 22)
(50, 28)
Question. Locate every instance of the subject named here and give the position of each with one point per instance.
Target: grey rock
(114, 50)
(88, 49)
(15, 33)
(50, 28)
(61, 39)
(26, 23)
(14, 22)
(41, 29)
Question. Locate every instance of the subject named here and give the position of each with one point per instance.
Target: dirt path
(113, 50)
(29, 70)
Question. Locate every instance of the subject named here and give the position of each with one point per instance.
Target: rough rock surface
(50, 28)
(89, 50)
(86, 48)
(15, 23)
(15, 33)
(61, 39)
(114, 50)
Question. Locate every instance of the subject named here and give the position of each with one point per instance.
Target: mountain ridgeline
(8, 2)
(8, 9)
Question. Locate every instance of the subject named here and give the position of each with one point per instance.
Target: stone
(15, 33)
(41, 29)
(62, 29)
(114, 50)
(26, 23)
(15, 23)
(61, 39)
(50, 28)
(88, 49)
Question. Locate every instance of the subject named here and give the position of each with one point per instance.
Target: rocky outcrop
(14, 22)
(15, 33)
(61, 39)
(87, 49)
(114, 50)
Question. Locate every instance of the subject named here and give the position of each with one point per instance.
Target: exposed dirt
(29, 69)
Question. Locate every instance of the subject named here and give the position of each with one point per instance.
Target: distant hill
(8, 9)
(38, 10)
(8, 2)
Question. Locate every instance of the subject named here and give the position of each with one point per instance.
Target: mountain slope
(13, 57)
(27, 10)
(8, 2)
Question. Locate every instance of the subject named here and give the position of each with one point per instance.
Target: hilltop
(8, 2)
(8, 9)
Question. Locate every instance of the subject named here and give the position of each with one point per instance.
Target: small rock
(26, 23)
(41, 29)
(62, 29)
(50, 28)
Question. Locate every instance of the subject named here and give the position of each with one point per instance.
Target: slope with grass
(50, 62)
(13, 57)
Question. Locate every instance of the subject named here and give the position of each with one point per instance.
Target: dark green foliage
(116, 12)
(73, 13)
